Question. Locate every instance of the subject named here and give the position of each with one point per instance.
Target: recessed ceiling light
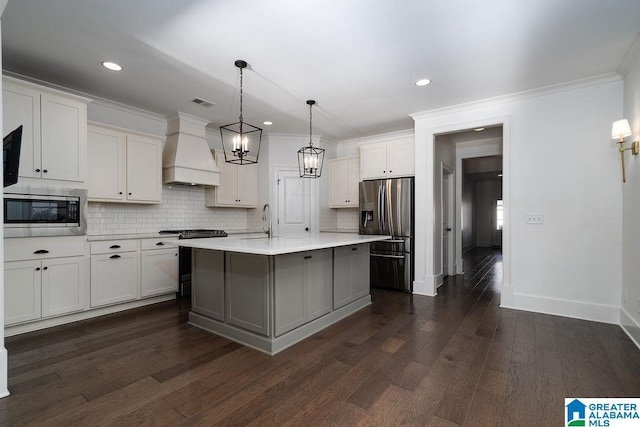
(478, 129)
(111, 66)
(423, 82)
(267, 123)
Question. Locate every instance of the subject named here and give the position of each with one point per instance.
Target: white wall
(557, 161)
(630, 311)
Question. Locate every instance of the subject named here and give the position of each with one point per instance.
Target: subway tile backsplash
(182, 208)
(347, 219)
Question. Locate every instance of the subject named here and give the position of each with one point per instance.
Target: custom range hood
(187, 158)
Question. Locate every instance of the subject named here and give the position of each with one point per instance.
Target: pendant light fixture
(240, 140)
(310, 158)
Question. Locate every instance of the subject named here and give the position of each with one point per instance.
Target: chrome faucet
(266, 216)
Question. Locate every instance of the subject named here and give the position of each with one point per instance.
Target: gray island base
(270, 293)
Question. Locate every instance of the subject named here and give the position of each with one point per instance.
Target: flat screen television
(11, 156)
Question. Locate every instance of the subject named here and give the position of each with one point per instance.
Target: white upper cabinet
(54, 133)
(124, 167)
(344, 179)
(389, 159)
(238, 185)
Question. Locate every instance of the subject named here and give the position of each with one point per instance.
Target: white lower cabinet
(350, 274)
(22, 289)
(62, 285)
(159, 272)
(302, 288)
(40, 283)
(114, 278)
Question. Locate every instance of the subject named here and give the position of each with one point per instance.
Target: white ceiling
(358, 59)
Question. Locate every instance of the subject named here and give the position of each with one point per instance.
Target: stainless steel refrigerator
(387, 208)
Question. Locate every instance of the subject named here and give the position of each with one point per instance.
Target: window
(499, 215)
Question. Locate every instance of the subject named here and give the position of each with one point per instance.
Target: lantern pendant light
(310, 158)
(240, 140)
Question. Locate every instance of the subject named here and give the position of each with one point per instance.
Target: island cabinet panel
(247, 291)
(351, 274)
(302, 288)
(207, 277)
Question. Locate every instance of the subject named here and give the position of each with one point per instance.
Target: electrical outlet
(118, 218)
(534, 218)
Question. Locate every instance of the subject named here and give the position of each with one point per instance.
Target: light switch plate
(534, 218)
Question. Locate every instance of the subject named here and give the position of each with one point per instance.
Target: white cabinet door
(238, 185)
(63, 285)
(22, 287)
(373, 161)
(226, 193)
(106, 160)
(64, 133)
(247, 179)
(344, 177)
(339, 178)
(400, 159)
(114, 278)
(159, 272)
(354, 183)
(144, 169)
(360, 270)
(21, 106)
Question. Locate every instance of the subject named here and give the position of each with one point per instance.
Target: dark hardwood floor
(457, 359)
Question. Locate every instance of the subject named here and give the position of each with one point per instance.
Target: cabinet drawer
(109, 246)
(147, 244)
(25, 248)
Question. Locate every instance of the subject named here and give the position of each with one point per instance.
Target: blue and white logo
(602, 412)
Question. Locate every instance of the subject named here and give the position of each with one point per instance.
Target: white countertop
(278, 245)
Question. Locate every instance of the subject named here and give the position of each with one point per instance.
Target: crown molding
(518, 96)
(630, 57)
(407, 133)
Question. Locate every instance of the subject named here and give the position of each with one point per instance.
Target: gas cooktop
(195, 234)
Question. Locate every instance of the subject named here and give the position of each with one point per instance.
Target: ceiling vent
(203, 102)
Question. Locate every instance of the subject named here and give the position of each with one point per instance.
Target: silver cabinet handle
(388, 256)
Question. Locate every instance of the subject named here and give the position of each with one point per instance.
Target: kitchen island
(270, 292)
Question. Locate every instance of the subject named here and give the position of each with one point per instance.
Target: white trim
(383, 137)
(630, 327)
(450, 256)
(567, 308)
(423, 288)
(89, 314)
(4, 391)
(630, 57)
(518, 96)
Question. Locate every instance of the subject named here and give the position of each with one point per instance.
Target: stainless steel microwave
(43, 211)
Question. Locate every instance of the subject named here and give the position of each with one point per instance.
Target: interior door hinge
(279, 179)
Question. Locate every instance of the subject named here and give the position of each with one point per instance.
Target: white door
(293, 215)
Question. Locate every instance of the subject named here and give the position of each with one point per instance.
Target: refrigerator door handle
(380, 207)
(387, 256)
(383, 203)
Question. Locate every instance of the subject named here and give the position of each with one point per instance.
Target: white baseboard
(630, 326)
(467, 248)
(83, 315)
(426, 287)
(567, 308)
(4, 390)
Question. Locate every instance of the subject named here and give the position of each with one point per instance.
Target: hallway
(456, 359)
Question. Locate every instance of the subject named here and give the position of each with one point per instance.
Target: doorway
(448, 221)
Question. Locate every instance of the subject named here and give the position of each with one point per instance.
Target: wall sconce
(620, 130)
